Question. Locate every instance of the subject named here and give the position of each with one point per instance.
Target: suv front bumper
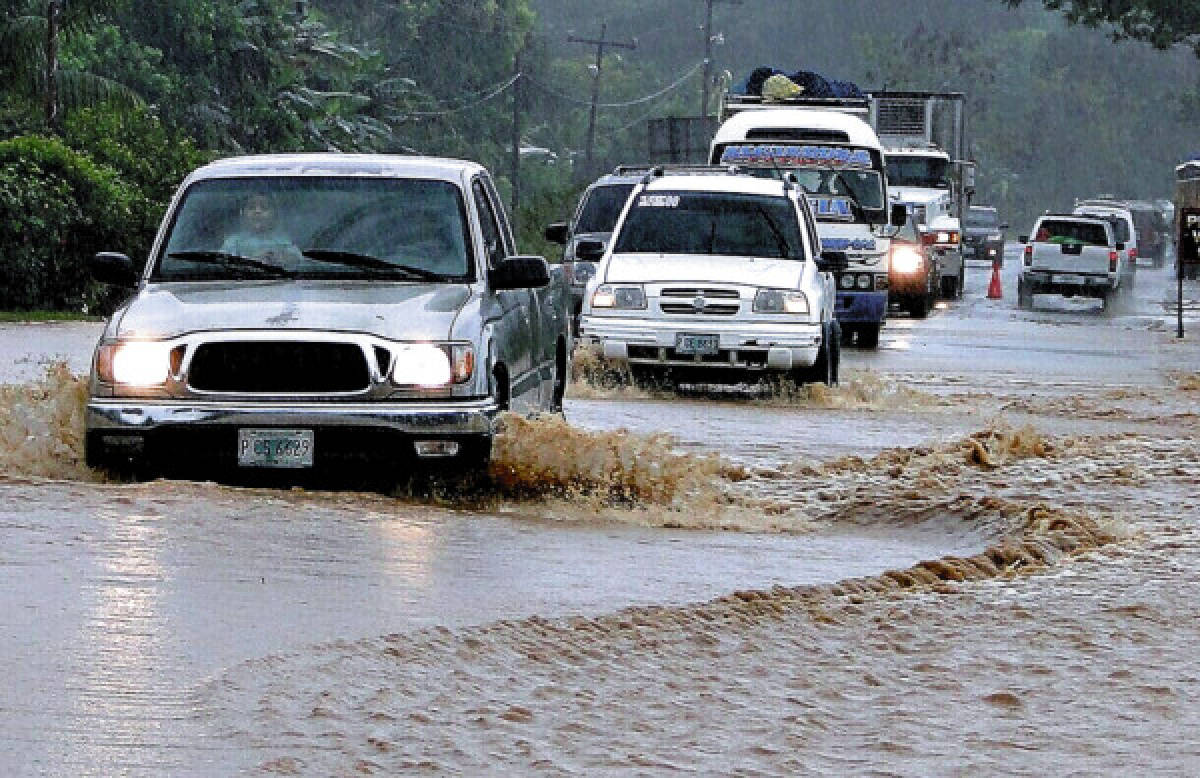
(742, 345)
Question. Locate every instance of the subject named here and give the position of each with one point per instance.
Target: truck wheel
(835, 343)
(1024, 295)
(560, 380)
(948, 284)
(961, 284)
(918, 307)
(868, 336)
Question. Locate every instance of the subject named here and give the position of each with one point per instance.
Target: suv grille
(282, 367)
(681, 301)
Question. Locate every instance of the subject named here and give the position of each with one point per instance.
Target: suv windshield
(1069, 231)
(982, 217)
(922, 172)
(601, 207)
(720, 223)
(317, 227)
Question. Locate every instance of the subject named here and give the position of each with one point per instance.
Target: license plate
(275, 448)
(1062, 278)
(697, 344)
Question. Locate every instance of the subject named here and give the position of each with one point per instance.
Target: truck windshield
(919, 172)
(602, 207)
(720, 223)
(838, 171)
(317, 227)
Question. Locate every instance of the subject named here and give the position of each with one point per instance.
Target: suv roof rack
(656, 171)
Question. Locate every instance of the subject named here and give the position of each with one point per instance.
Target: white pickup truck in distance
(1073, 255)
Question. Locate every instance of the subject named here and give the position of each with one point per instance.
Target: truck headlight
(780, 301)
(432, 365)
(906, 259)
(134, 363)
(624, 298)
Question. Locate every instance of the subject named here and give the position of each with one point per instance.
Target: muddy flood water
(977, 556)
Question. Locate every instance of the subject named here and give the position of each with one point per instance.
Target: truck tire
(948, 287)
(1024, 295)
(868, 335)
(918, 307)
(961, 284)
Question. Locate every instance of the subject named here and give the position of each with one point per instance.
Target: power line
(489, 96)
(626, 104)
(600, 44)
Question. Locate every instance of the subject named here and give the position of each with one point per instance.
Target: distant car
(913, 272)
(983, 234)
(1152, 230)
(594, 218)
(1124, 229)
(1074, 255)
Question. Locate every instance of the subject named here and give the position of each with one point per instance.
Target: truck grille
(682, 301)
(279, 367)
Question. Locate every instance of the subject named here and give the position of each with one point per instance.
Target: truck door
(513, 335)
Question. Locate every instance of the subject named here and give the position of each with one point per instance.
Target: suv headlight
(137, 363)
(780, 301)
(432, 364)
(623, 298)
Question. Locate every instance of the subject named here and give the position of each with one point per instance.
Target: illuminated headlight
(863, 281)
(134, 363)
(780, 301)
(430, 365)
(906, 260)
(625, 298)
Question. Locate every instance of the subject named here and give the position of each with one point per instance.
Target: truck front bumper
(754, 346)
(175, 434)
(861, 307)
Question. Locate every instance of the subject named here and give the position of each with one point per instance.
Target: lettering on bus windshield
(829, 157)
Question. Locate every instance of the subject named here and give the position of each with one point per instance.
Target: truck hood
(917, 196)
(674, 268)
(399, 311)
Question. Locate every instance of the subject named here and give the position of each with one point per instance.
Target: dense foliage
(141, 92)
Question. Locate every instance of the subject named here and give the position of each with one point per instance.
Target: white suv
(715, 276)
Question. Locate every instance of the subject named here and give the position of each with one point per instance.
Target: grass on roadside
(38, 316)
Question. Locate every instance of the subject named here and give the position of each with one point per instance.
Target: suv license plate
(697, 344)
(275, 448)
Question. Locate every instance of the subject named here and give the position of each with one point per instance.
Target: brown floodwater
(946, 565)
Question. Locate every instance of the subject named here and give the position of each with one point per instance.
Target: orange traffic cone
(995, 290)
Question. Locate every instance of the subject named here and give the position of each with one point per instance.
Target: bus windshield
(837, 172)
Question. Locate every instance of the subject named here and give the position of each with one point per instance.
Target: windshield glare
(274, 220)
(865, 186)
(921, 172)
(602, 207)
(720, 223)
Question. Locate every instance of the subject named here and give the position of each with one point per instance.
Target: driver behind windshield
(259, 235)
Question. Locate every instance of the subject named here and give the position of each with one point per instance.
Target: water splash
(42, 426)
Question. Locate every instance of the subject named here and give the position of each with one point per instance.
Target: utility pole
(600, 46)
(708, 43)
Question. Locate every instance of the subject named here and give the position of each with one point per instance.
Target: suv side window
(488, 224)
(501, 216)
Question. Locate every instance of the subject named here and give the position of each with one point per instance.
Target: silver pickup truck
(1074, 254)
(308, 311)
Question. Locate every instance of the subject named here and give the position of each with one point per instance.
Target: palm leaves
(31, 32)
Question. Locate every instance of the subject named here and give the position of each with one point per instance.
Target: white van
(838, 159)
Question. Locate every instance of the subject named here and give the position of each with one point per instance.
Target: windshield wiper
(780, 241)
(225, 259)
(368, 262)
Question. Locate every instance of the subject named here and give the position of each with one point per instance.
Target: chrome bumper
(473, 417)
(742, 345)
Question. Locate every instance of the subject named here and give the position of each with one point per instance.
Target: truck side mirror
(899, 215)
(556, 233)
(524, 272)
(110, 267)
(832, 261)
(589, 250)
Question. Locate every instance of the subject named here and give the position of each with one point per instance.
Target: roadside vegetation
(106, 104)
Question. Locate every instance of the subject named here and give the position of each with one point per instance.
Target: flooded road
(975, 556)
